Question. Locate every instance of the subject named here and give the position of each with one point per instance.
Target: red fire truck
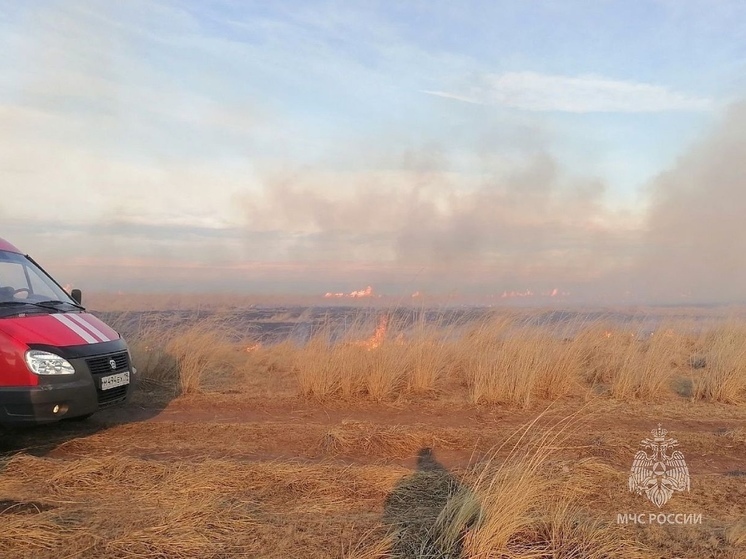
(56, 360)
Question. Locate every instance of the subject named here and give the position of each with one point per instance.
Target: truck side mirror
(77, 296)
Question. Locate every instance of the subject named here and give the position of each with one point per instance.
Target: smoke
(508, 228)
(696, 238)
(530, 226)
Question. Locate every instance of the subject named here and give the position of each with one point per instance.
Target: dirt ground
(235, 475)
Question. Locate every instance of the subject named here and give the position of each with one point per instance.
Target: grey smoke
(536, 225)
(696, 239)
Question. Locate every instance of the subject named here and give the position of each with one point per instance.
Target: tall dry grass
(390, 362)
(501, 359)
(186, 357)
(428, 357)
(511, 504)
(325, 371)
(723, 379)
(524, 510)
(514, 366)
(521, 507)
(633, 366)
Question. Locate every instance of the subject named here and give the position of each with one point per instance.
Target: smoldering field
(392, 432)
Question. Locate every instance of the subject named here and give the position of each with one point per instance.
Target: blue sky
(299, 135)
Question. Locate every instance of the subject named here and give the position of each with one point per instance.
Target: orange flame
(367, 292)
(379, 335)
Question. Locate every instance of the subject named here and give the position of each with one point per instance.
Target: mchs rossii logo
(661, 472)
(658, 472)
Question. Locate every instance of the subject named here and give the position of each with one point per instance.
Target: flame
(416, 294)
(253, 347)
(556, 292)
(367, 292)
(379, 335)
(512, 294)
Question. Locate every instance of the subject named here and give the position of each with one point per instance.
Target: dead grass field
(482, 440)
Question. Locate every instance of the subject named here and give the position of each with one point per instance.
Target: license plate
(112, 381)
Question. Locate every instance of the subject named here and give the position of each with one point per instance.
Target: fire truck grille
(101, 364)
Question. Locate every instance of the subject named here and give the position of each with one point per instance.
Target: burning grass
(504, 362)
(500, 359)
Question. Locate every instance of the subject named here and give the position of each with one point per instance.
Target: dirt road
(229, 475)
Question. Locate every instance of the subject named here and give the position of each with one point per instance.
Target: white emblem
(112, 364)
(659, 474)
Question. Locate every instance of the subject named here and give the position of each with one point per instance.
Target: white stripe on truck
(75, 328)
(85, 323)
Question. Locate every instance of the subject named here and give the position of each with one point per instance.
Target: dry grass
(724, 377)
(111, 495)
(186, 358)
(507, 507)
(300, 479)
(647, 366)
(525, 509)
(118, 506)
(203, 356)
(736, 534)
(737, 435)
(386, 442)
(631, 366)
(516, 367)
(500, 360)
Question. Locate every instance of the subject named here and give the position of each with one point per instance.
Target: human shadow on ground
(421, 512)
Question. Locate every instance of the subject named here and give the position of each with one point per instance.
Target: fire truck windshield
(23, 281)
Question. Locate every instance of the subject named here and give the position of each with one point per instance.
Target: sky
(592, 150)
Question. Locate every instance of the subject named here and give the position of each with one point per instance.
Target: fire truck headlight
(45, 363)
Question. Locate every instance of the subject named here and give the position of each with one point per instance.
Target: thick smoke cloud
(530, 227)
(696, 238)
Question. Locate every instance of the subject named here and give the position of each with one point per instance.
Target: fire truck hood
(58, 329)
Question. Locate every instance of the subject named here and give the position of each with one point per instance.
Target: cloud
(532, 91)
